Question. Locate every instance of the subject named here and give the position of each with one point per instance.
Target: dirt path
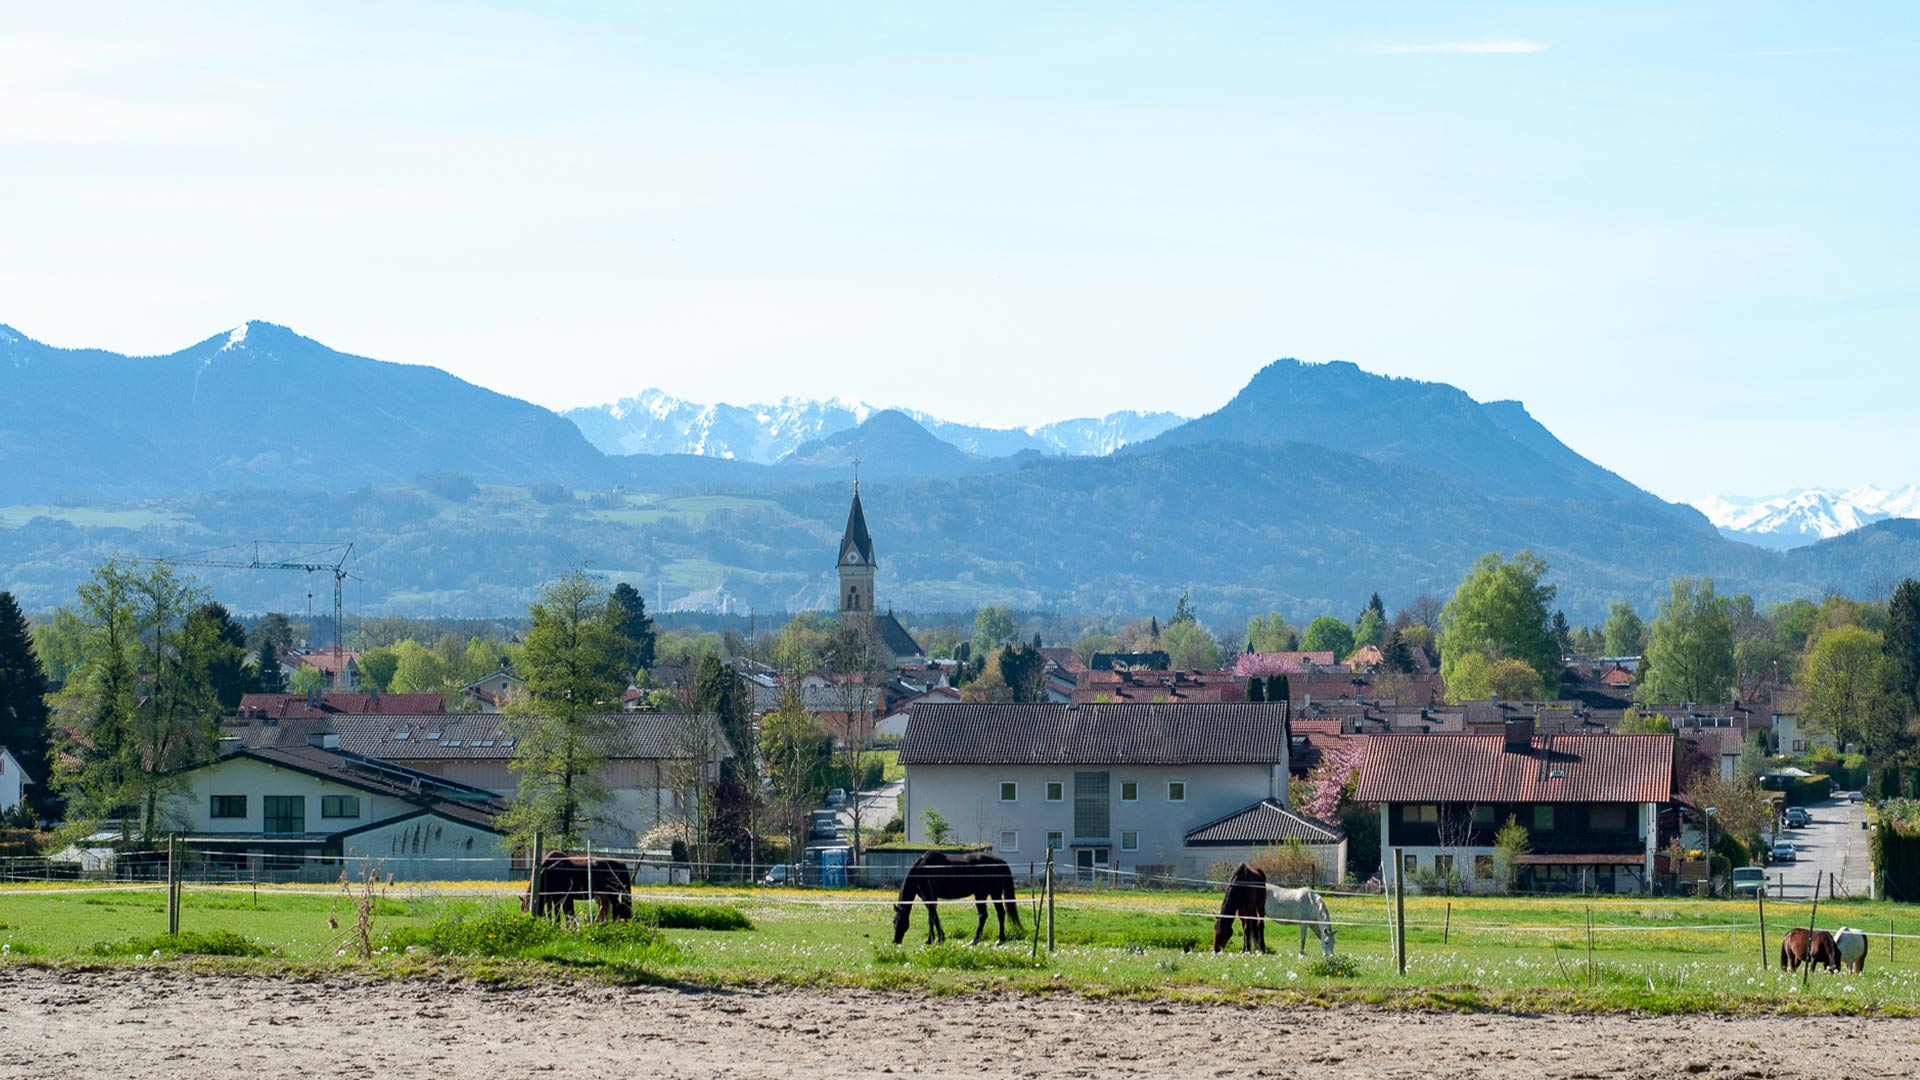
(128, 1025)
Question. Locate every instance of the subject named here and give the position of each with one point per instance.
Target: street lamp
(1710, 811)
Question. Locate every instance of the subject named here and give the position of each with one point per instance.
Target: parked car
(1783, 851)
(1856, 796)
(1748, 879)
(1798, 818)
(837, 797)
(783, 874)
(824, 825)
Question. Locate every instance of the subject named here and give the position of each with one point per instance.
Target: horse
(1852, 946)
(607, 884)
(1302, 906)
(1245, 900)
(939, 876)
(1801, 946)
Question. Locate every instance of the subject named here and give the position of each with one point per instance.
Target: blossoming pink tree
(1328, 783)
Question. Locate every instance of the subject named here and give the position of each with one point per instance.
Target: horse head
(1326, 938)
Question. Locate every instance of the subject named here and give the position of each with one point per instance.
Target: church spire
(857, 564)
(856, 541)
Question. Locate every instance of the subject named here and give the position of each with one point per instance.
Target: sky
(1684, 235)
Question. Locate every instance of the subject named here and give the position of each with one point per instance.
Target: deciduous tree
(1690, 649)
(1188, 647)
(1329, 633)
(1502, 611)
(1624, 633)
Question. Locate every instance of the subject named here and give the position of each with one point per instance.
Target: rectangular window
(1607, 818)
(1129, 791)
(228, 806)
(1443, 865)
(1176, 791)
(1056, 791)
(1056, 842)
(1483, 815)
(1420, 813)
(1543, 818)
(1092, 813)
(1009, 841)
(1483, 866)
(1129, 840)
(1410, 863)
(1009, 791)
(285, 814)
(344, 806)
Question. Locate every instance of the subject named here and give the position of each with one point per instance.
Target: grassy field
(1521, 954)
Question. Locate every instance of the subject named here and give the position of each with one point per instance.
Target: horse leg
(979, 931)
(1303, 937)
(934, 929)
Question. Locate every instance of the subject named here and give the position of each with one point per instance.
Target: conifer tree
(23, 706)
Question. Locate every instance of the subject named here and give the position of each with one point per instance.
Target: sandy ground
(154, 1024)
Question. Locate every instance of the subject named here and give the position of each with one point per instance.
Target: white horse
(1853, 948)
(1304, 907)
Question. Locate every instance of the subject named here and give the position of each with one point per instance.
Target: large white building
(13, 780)
(1155, 790)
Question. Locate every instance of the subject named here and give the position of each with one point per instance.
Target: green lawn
(1650, 955)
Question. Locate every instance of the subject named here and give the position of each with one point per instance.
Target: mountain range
(655, 422)
(1799, 518)
(1313, 486)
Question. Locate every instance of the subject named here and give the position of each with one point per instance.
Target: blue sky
(1685, 237)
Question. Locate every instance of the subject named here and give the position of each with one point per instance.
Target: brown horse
(607, 884)
(938, 876)
(1802, 946)
(1246, 900)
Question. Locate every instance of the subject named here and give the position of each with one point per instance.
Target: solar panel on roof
(399, 735)
(451, 742)
(433, 734)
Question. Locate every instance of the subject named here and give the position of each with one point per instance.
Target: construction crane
(312, 561)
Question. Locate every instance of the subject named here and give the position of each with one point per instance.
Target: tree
(1634, 722)
(802, 642)
(1476, 678)
(1396, 656)
(1278, 688)
(307, 680)
(1024, 671)
(1182, 613)
(1902, 642)
(1501, 611)
(1624, 633)
(992, 628)
(1370, 628)
(937, 829)
(1562, 633)
(272, 629)
(717, 689)
(58, 643)
(575, 667)
(799, 760)
(23, 705)
(1756, 644)
(858, 663)
(1424, 611)
(377, 667)
(420, 670)
(1189, 647)
(628, 610)
(1842, 683)
(1510, 845)
(268, 675)
(1270, 633)
(1329, 634)
(1256, 690)
(1741, 808)
(1690, 649)
(218, 648)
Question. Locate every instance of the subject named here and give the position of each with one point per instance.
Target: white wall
(255, 779)
(638, 797)
(430, 848)
(968, 796)
(12, 781)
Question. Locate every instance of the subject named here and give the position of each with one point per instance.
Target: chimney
(1519, 736)
(324, 740)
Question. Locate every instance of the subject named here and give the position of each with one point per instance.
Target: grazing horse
(938, 876)
(1302, 906)
(607, 884)
(1246, 900)
(1852, 945)
(1802, 946)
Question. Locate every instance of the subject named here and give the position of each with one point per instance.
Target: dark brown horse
(1246, 900)
(939, 876)
(1801, 946)
(607, 884)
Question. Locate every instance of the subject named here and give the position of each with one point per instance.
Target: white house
(1590, 804)
(13, 780)
(645, 767)
(1158, 790)
(295, 812)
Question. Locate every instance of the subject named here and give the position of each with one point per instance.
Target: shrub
(186, 943)
(690, 917)
(1337, 966)
(495, 933)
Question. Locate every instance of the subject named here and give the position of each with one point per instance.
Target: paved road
(877, 807)
(1834, 843)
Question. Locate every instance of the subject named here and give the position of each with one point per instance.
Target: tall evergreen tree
(23, 705)
(717, 690)
(1025, 673)
(218, 651)
(1903, 642)
(267, 673)
(1277, 688)
(1256, 689)
(628, 610)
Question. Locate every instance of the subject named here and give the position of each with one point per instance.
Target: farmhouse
(1157, 790)
(1590, 805)
(647, 765)
(293, 812)
(13, 780)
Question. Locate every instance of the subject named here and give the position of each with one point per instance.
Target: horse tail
(1012, 899)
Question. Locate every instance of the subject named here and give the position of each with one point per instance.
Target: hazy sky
(1685, 238)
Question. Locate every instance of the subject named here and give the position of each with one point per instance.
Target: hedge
(1896, 858)
(1807, 790)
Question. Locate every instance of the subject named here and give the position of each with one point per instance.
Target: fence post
(1812, 914)
(173, 885)
(1049, 900)
(1446, 928)
(533, 877)
(1890, 940)
(1589, 944)
(1761, 895)
(1399, 911)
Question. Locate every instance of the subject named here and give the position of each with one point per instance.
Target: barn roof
(1550, 768)
(1096, 734)
(1265, 822)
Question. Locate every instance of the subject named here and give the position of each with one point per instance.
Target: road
(1834, 844)
(877, 807)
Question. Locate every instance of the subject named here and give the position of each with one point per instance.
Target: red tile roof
(1280, 663)
(295, 706)
(1065, 659)
(1479, 769)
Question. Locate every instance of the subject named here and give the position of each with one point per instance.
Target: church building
(857, 567)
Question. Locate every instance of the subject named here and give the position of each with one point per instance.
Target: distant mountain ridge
(655, 422)
(1798, 518)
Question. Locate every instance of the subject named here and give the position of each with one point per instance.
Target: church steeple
(857, 564)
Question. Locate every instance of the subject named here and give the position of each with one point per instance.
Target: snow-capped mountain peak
(1798, 518)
